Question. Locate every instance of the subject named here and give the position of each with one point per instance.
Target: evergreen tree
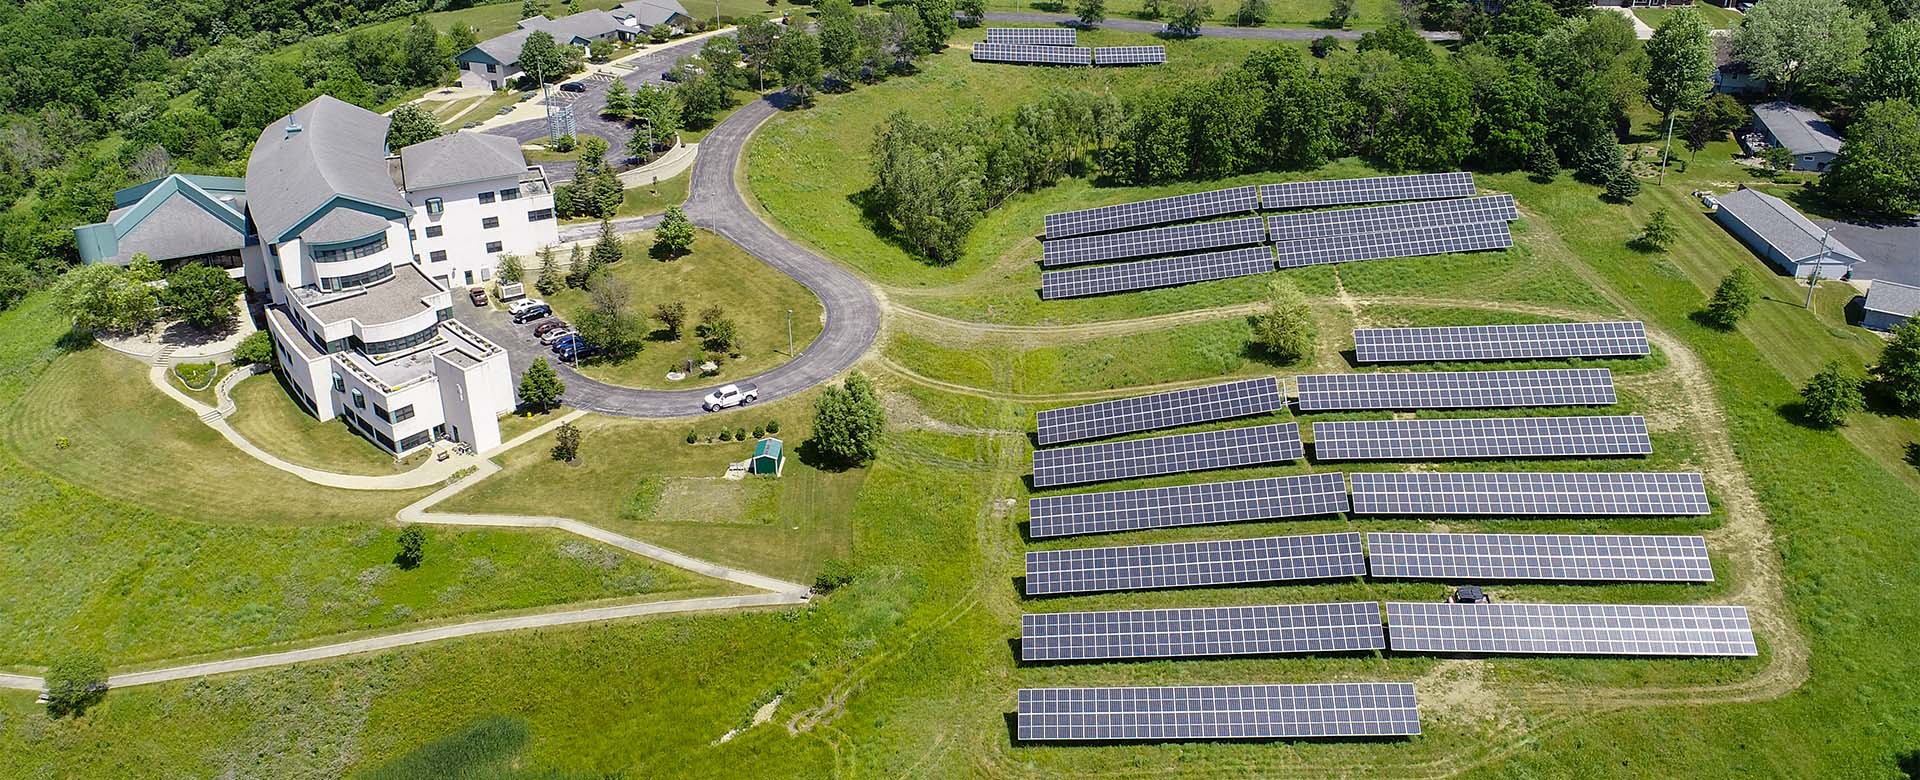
(1622, 185)
(1659, 233)
(674, 237)
(607, 250)
(540, 387)
(552, 278)
(579, 269)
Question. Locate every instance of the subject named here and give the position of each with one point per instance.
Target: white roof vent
(293, 128)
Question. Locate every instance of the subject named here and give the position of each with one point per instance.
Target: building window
(437, 255)
(362, 279)
(539, 214)
(510, 193)
(381, 412)
(414, 441)
(339, 345)
(490, 222)
(435, 207)
(371, 246)
(410, 235)
(359, 400)
(385, 440)
(339, 385)
(486, 197)
(492, 68)
(443, 315)
(404, 342)
(403, 413)
(493, 246)
(434, 231)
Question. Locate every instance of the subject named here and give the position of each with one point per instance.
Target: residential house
(1807, 135)
(1781, 235)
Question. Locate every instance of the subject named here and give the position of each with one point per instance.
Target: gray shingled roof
(652, 13)
(1781, 225)
(460, 157)
(1799, 130)
(504, 49)
(340, 149)
(1893, 298)
(588, 25)
(179, 228)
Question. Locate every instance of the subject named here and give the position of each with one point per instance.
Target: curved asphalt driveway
(1262, 33)
(852, 314)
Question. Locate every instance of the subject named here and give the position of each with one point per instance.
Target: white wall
(464, 239)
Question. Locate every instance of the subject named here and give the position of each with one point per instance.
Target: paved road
(648, 68)
(1892, 250)
(1142, 26)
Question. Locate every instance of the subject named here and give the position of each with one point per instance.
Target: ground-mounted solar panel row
(1129, 55)
(1482, 437)
(1661, 494)
(1175, 239)
(1159, 211)
(1167, 455)
(1375, 189)
(1313, 710)
(1570, 629)
(1194, 564)
(1032, 55)
(1342, 627)
(1033, 36)
(1282, 228)
(1272, 197)
(1538, 341)
(1161, 410)
(1456, 389)
(1162, 272)
(1271, 498)
(1546, 557)
(1411, 242)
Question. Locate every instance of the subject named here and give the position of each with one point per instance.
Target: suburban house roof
(1782, 226)
(1893, 298)
(580, 28)
(653, 13)
(180, 215)
(1799, 130)
(499, 50)
(460, 157)
(324, 152)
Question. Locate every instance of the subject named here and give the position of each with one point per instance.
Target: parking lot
(1892, 251)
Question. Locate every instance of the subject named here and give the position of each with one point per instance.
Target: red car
(478, 295)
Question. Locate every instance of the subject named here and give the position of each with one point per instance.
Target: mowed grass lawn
(1281, 13)
(716, 273)
(268, 416)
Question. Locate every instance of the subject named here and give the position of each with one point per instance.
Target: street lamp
(789, 333)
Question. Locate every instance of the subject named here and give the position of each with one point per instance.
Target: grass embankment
(266, 414)
(715, 273)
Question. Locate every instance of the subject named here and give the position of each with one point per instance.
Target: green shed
(768, 457)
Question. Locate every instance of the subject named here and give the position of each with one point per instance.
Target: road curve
(1206, 31)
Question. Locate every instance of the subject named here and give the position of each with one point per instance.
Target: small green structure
(769, 456)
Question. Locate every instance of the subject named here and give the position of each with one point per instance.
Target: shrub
(726, 435)
(692, 437)
(834, 575)
(759, 432)
(1831, 395)
(740, 434)
(74, 683)
(773, 426)
(413, 547)
(255, 349)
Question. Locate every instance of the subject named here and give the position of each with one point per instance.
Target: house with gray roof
(1890, 305)
(1806, 134)
(493, 63)
(1781, 235)
(644, 15)
(175, 220)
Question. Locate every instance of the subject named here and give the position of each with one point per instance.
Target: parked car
(548, 326)
(729, 396)
(580, 352)
(567, 341)
(554, 335)
(532, 313)
(478, 295)
(516, 306)
(573, 86)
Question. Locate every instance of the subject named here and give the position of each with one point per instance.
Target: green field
(1715, 16)
(266, 414)
(1281, 13)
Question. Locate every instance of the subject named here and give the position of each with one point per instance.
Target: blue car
(573, 348)
(570, 341)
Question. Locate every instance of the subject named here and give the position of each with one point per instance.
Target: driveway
(1259, 33)
(649, 68)
(1892, 250)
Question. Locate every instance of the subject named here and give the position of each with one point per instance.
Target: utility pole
(1667, 151)
(1813, 280)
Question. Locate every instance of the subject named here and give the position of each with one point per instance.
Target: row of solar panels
(1646, 494)
(1399, 555)
(1271, 197)
(1024, 54)
(1355, 626)
(1315, 710)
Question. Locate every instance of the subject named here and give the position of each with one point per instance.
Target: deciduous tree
(674, 237)
(1898, 370)
(1878, 170)
(672, 316)
(1285, 330)
(541, 57)
(1659, 232)
(75, 682)
(797, 58)
(1830, 395)
(413, 547)
(566, 443)
(1090, 13)
(202, 295)
(410, 124)
(1801, 44)
(848, 422)
(256, 349)
(1188, 15)
(1731, 299)
(101, 297)
(1892, 64)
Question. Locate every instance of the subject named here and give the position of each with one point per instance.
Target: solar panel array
(1181, 505)
(1167, 455)
(1215, 631)
(1160, 410)
(1129, 55)
(1501, 342)
(1456, 389)
(1148, 274)
(1191, 564)
(1319, 224)
(1571, 557)
(1169, 240)
(1178, 208)
(1033, 36)
(1217, 712)
(1663, 494)
(1377, 189)
(1032, 55)
(1570, 629)
(1413, 242)
(1481, 437)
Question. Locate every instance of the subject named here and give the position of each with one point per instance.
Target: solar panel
(1169, 240)
(1160, 410)
(1575, 557)
(1032, 55)
(1662, 494)
(1314, 710)
(1412, 242)
(1373, 219)
(1192, 564)
(1164, 272)
(1129, 55)
(1456, 389)
(1177, 208)
(1482, 437)
(1032, 36)
(1377, 189)
(1167, 455)
(1500, 342)
(1569, 629)
(1342, 627)
(1165, 507)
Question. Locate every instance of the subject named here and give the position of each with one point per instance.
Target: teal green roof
(767, 448)
(198, 214)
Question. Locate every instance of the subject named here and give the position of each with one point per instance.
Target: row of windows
(350, 281)
(395, 345)
(362, 249)
(415, 440)
(509, 193)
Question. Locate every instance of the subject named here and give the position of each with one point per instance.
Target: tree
(75, 682)
(1892, 70)
(1679, 68)
(607, 250)
(971, 11)
(1152, 9)
(540, 387)
(202, 295)
(579, 269)
(1898, 370)
(756, 38)
(528, 9)
(797, 59)
(1285, 330)
(717, 331)
(1659, 233)
(1878, 170)
(658, 111)
(144, 269)
(1188, 15)
(927, 184)
(425, 64)
(672, 317)
(936, 24)
(1830, 395)
(1090, 12)
(848, 422)
(413, 547)
(541, 57)
(1342, 11)
(1253, 13)
(410, 124)
(1801, 44)
(609, 324)
(510, 271)
(1731, 299)
(566, 443)
(674, 237)
(616, 104)
(1622, 185)
(102, 297)
(722, 57)
(839, 39)
(1425, 120)
(1778, 160)
(1324, 46)
(256, 349)
(552, 278)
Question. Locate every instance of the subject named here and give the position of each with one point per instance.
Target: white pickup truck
(729, 396)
